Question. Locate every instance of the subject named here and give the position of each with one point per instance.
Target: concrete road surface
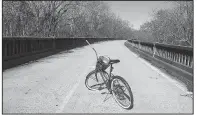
(55, 84)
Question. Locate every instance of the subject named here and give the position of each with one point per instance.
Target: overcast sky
(137, 12)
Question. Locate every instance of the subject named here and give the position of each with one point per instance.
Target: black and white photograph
(98, 57)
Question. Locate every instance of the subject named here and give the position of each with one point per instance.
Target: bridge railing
(178, 56)
(175, 60)
(19, 50)
(15, 47)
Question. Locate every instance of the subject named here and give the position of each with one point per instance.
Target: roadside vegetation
(170, 26)
(89, 19)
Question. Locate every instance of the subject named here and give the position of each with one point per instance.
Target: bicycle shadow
(109, 95)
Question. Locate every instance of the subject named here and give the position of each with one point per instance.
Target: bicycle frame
(109, 74)
(107, 81)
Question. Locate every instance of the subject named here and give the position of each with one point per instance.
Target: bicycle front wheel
(122, 92)
(95, 80)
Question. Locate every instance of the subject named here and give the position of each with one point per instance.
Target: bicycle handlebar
(93, 49)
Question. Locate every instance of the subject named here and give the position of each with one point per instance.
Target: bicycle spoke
(118, 82)
(126, 95)
(123, 88)
(122, 93)
(98, 84)
(124, 101)
(93, 78)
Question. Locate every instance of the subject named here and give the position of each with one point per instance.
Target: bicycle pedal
(104, 93)
(101, 88)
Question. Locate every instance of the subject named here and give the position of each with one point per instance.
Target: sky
(137, 12)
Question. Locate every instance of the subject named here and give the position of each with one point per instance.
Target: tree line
(170, 26)
(62, 19)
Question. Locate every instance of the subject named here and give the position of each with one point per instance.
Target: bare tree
(62, 19)
(172, 26)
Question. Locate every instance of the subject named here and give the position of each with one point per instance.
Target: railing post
(192, 62)
(154, 50)
(188, 61)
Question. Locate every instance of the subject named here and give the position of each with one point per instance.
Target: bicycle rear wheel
(122, 92)
(94, 80)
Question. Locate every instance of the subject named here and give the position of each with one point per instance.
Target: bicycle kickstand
(106, 96)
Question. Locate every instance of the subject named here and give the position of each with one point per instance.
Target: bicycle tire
(129, 90)
(88, 77)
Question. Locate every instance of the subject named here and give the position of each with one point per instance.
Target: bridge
(55, 84)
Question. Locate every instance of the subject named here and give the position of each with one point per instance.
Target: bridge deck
(56, 84)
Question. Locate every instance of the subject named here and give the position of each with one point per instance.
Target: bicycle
(109, 81)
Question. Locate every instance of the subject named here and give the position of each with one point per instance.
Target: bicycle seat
(114, 61)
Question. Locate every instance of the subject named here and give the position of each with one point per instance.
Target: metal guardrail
(16, 47)
(20, 50)
(178, 56)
